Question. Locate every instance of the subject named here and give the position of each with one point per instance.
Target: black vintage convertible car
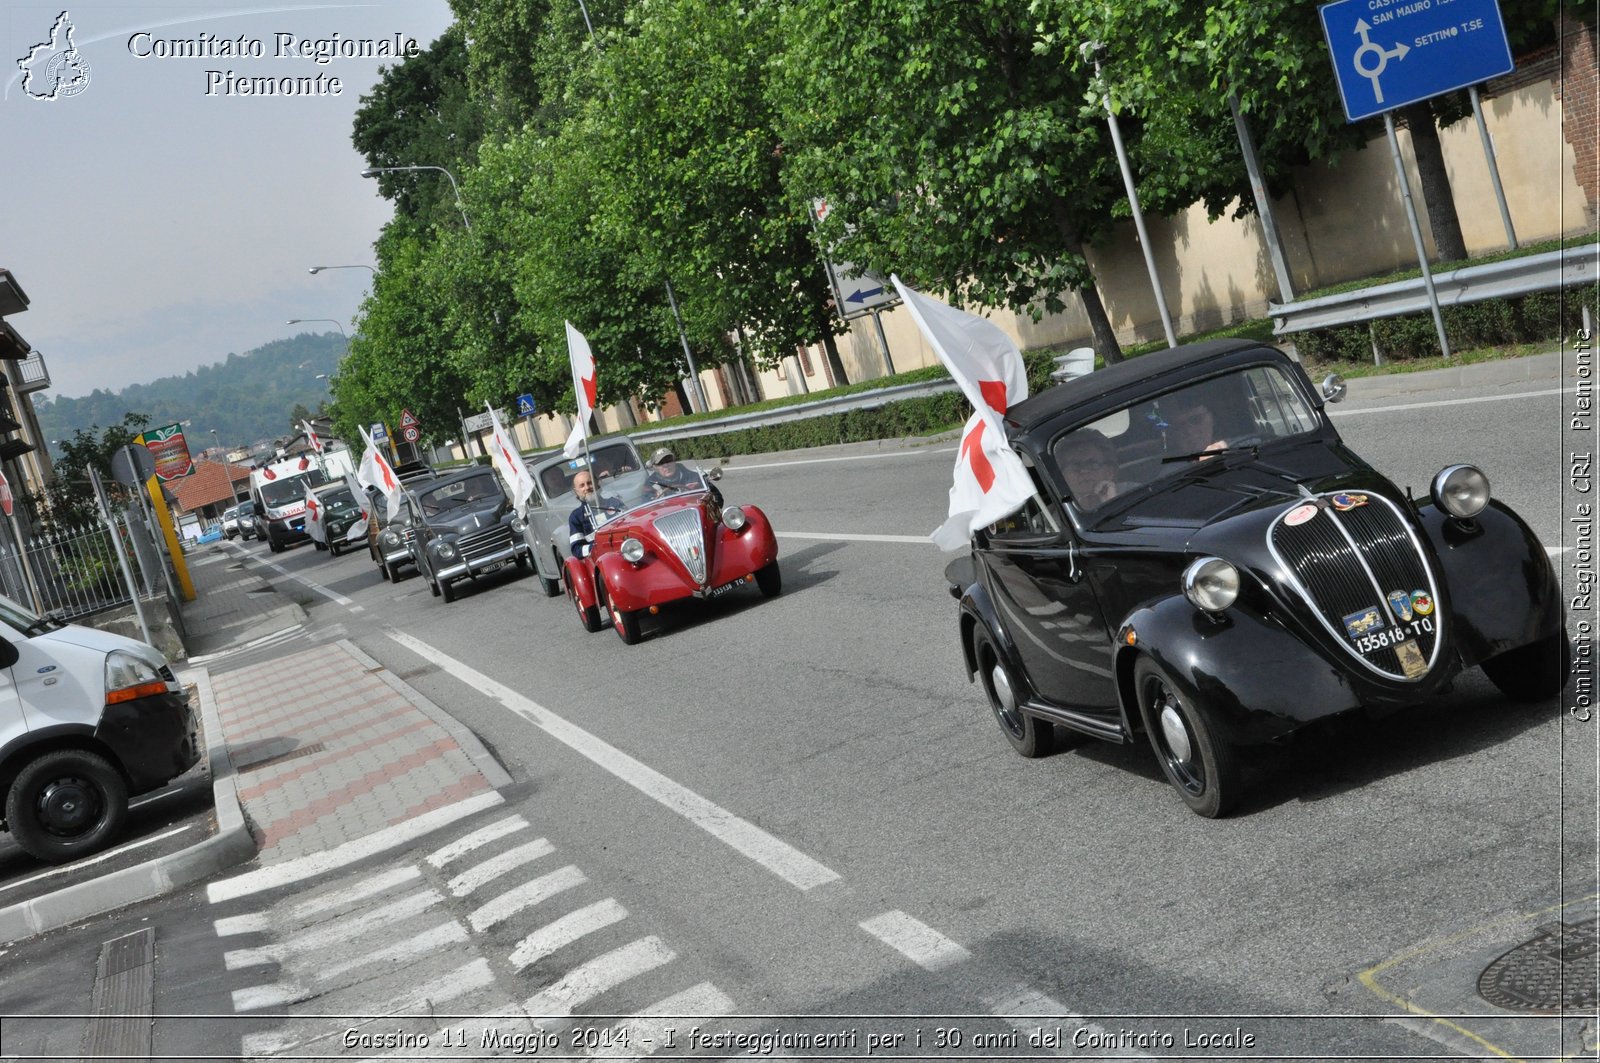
(1207, 564)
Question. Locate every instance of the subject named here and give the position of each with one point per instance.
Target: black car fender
(1502, 589)
(1258, 679)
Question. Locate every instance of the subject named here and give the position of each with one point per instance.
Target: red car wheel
(588, 616)
(626, 621)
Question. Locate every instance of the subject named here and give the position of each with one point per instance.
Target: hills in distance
(246, 398)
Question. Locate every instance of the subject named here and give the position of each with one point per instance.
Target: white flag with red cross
(990, 480)
(583, 388)
(314, 526)
(358, 530)
(375, 472)
(507, 460)
(6, 501)
(311, 437)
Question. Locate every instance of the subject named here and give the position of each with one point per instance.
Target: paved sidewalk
(309, 753)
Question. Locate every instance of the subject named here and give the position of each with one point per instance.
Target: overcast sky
(156, 228)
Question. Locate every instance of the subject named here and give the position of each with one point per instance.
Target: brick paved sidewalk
(329, 747)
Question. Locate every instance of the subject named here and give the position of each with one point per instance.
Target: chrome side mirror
(1334, 388)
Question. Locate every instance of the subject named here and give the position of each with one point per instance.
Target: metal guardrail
(862, 400)
(1550, 271)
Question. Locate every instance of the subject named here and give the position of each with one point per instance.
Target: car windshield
(20, 618)
(282, 492)
(612, 461)
(473, 491)
(339, 499)
(1176, 432)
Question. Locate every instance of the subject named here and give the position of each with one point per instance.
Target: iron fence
(74, 569)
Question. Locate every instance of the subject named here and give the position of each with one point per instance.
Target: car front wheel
(1198, 762)
(448, 590)
(66, 804)
(1535, 672)
(588, 616)
(770, 580)
(1028, 735)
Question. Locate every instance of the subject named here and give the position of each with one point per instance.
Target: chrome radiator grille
(481, 543)
(1345, 563)
(682, 531)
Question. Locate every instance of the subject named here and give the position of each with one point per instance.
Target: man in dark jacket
(580, 525)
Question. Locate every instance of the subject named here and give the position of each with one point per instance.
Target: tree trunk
(830, 347)
(1105, 339)
(1435, 180)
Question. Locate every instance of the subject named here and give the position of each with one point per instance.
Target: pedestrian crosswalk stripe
(564, 931)
(334, 932)
(526, 896)
(1023, 1001)
(273, 995)
(251, 923)
(595, 977)
(314, 864)
(450, 933)
(460, 847)
(475, 876)
(347, 896)
(647, 1031)
(916, 941)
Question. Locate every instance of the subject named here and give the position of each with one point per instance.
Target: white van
(87, 720)
(279, 492)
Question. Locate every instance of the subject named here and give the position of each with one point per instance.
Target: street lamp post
(374, 171)
(227, 467)
(314, 270)
(329, 320)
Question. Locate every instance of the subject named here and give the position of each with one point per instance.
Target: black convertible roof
(1176, 362)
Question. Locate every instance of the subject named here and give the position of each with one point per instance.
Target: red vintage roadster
(652, 548)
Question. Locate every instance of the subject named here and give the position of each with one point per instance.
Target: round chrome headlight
(1211, 584)
(390, 538)
(518, 525)
(733, 517)
(1461, 491)
(446, 550)
(632, 551)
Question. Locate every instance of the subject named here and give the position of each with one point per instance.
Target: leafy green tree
(68, 500)
(949, 143)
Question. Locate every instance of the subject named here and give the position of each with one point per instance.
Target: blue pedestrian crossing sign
(1390, 53)
(525, 406)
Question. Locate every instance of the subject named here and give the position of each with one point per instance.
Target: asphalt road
(906, 862)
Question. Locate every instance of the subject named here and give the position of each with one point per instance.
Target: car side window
(1031, 521)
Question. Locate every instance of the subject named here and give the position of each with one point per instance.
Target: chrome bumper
(475, 565)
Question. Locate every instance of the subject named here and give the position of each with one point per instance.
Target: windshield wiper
(1253, 449)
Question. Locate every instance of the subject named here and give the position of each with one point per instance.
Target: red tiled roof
(209, 483)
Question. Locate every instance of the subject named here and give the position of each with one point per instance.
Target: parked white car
(87, 720)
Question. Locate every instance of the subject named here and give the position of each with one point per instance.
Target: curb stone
(232, 844)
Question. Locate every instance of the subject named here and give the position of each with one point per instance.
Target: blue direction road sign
(1388, 53)
(525, 406)
(380, 433)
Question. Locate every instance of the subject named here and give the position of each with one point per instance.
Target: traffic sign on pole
(410, 433)
(526, 406)
(1389, 53)
(408, 420)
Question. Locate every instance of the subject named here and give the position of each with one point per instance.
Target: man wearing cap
(667, 475)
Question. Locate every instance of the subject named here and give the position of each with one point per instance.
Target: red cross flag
(376, 473)
(311, 437)
(314, 527)
(507, 461)
(358, 530)
(990, 480)
(583, 388)
(6, 501)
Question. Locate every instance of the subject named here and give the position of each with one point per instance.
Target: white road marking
(450, 933)
(350, 895)
(304, 867)
(526, 896)
(253, 923)
(483, 836)
(153, 798)
(647, 1031)
(595, 977)
(332, 596)
(918, 540)
(1025, 1002)
(847, 457)
(268, 996)
(779, 857)
(476, 875)
(78, 865)
(564, 931)
(334, 932)
(1337, 412)
(916, 941)
(281, 635)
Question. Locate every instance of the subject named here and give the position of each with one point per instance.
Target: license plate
(724, 589)
(494, 566)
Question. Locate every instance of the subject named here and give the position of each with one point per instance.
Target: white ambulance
(279, 492)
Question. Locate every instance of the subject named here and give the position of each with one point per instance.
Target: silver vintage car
(619, 471)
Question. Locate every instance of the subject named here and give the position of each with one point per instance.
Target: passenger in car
(1089, 462)
(580, 525)
(1191, 427)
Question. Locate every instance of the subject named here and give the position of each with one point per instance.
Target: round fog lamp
(1211, 584)
(733, 517)
(1461, 491)
(632, 551)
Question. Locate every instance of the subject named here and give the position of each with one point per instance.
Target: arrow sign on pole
(1388, 55)
(861, 295)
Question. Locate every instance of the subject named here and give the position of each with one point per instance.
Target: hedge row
(1492, 323)
(895, 420)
